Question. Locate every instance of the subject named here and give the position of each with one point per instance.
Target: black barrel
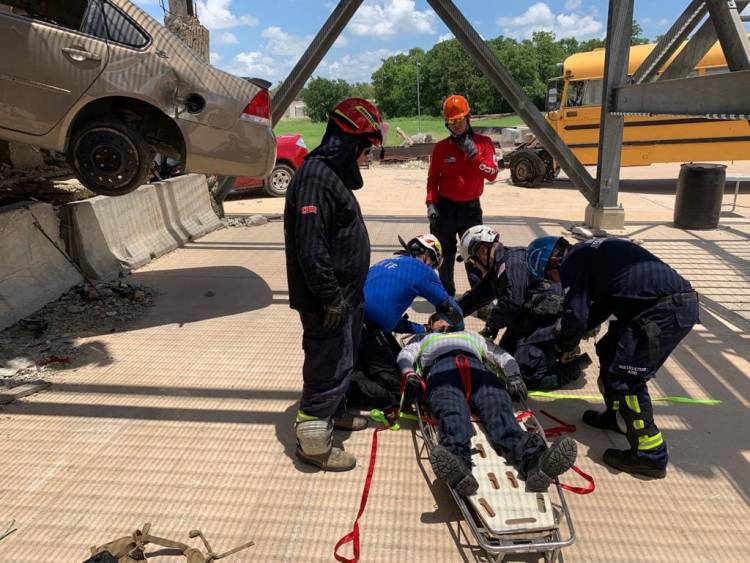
(700, 189)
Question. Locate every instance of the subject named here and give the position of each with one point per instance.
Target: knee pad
(314, 436)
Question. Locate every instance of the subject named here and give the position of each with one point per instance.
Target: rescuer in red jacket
(458, 168)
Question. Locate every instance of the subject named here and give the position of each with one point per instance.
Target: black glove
(516, 387)
(413, 390)
(432, 212)
(466, 143)
(334, 316)
(489, 332)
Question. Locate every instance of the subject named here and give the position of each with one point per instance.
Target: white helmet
(425, 244)
(474, 237)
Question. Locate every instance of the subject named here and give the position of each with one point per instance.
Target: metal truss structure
(657, 87)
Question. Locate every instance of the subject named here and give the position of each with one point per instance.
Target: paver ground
(185, 420)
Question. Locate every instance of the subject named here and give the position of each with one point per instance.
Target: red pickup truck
(290, 152)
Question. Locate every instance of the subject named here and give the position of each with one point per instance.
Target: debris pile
(49, 339)
(246, 220)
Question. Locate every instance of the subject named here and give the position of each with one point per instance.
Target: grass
(312, 133)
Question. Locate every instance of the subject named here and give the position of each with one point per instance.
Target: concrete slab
(190, 423)
(32, 271)
(110, 235)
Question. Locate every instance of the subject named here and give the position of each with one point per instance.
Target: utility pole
(183, 22)
(419, 109)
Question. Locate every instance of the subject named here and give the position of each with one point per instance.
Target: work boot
(555, 460)
(450, 469)
(606, 420)
(629, 462)
(336, 459)
(350, 422)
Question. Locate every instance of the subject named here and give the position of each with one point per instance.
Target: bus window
(554, 93)
(585, 93)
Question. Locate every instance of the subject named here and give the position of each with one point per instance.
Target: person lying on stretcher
(461, 373)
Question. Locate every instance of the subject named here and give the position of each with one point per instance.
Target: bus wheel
(526, 168)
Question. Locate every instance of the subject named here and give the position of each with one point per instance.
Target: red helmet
(357, 116)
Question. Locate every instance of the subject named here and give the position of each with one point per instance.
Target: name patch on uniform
(450, 159)
(307, 209)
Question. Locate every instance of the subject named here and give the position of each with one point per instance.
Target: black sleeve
(574, 276)
(316, 212)
(484, 293)
(510, 302)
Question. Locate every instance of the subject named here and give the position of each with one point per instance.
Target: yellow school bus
(574, 111)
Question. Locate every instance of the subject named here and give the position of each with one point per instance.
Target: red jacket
(453, 175)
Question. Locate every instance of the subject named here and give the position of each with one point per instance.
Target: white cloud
(573, 4)
(354, 68)
(539, 17)
(664, 22)
(285, 44)
(257, 64)
(226, 38)
(445, 37)
(342, 41)
(390, 18)
(216, 14)
(215, 58)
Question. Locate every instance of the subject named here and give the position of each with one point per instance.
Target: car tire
(278, 181)
(110, 157)
(526, 168)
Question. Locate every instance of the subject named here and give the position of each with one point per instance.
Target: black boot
(450, 469)
(606, 420)
(556, 460)
(629, 462)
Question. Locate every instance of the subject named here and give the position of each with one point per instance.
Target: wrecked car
(105, 83)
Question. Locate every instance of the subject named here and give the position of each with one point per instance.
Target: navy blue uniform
(529, 333)
(655, 308)
(327, 258)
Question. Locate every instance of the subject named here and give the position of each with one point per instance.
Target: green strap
(378, 416)
(599, 398)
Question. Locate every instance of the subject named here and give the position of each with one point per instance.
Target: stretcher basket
(504, 519)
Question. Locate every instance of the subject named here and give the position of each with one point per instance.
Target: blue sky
(266, 38)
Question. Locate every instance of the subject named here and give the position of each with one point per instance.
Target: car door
(47, 63)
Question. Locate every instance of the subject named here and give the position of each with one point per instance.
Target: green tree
(637, 38)
(363, 90)
(321, 94)
(395, 83)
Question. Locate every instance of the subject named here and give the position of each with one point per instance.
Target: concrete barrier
(110, 235)
(32, 271)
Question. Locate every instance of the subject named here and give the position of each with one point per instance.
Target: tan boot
(335, 460)
(350, 422)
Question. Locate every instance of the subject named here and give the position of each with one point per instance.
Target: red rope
(353, 536)
(555, 431)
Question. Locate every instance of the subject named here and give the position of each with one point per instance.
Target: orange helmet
(455, 107)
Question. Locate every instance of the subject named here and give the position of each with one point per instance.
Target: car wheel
(277, 183)
(110, 157)
(526, 168)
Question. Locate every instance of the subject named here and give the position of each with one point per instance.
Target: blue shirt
(391, 287)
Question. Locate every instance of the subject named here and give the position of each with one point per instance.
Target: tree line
(447, 68)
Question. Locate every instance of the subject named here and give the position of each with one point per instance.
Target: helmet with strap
(358, 116)
(474, 238)
(541, 251)
(425, 244)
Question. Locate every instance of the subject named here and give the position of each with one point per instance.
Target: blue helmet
(538, 254)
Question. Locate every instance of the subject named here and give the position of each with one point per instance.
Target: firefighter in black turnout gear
(527, 308)
(654, 309)
(327, 258)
